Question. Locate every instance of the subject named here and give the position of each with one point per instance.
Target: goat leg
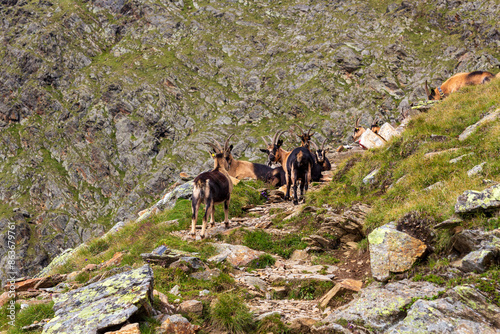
(226, 213)
(195, 206)
(208, 206)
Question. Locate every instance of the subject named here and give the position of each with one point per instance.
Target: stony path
(269, 285)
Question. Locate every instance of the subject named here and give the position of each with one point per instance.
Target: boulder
(478, 261)
(191, 306)
(168, 201)
(472, 201)
(128, 329)
(236, 255)
(104, 304)
(370, 140)
(370, 178)
(464, 310)
(392, 251)
(478, 169)
(177, 324)
(380, 306)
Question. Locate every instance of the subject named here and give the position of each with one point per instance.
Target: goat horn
(265, 141)
(275, 136)
(218, 144)
(427, 90)
(314, 144)
(357, 122)
(323, 145)
(217, 150)
(279, 133)
(226, 144)
(308, 131)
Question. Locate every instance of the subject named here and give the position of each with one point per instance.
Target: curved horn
(375, 121)
(357, 122)
(323, 145)
(227, 142)
(427, 89)
(218, 144)
(265, 141)
(314, 145)
(279, 133)
(275, 136)
(308, 131)
(217, 150)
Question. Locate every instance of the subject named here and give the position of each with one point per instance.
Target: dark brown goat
(456, 82)
(213, 187)
(305, 137)
(321, 162)
(297, 165)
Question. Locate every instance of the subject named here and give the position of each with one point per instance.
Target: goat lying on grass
(297, 164)
(458, 81)
(213, 187)
(244, 169)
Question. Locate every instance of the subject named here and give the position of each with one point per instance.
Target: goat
(213, 187)
(242, 169)
(297, 165)
(321, 162)
(359, 130)
(456, 82)
(304, 137)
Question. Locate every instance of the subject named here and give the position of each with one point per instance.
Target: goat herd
(300, 164)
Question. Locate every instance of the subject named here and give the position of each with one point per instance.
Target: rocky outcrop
(93, 308)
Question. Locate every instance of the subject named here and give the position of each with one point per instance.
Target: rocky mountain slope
(103, 102)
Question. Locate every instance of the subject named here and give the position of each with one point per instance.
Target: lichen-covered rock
(472, 201)
(93, 308)
(392, 251)
(370, 178)
(462, 310)
(381, 306)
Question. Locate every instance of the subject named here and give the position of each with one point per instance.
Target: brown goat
(456, 82)
(359, 130)
(213, 187)
(240, 169)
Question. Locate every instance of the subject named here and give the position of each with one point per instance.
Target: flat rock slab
(392, 251)
(100, 305)
(473, 201)
(380, 306)
(471, 129)
(236, 255)
(340, 288)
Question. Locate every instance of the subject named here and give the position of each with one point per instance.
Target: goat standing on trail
(321, 162)
(456, 82)
(213, 187)
(297, 165)
(240, 169)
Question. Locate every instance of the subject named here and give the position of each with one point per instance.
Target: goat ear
(280, 142)
(230, 148)
(264, 150)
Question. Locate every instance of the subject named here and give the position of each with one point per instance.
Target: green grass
(25, 317)
(404, 156)
(283, 246)
(230, 313)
